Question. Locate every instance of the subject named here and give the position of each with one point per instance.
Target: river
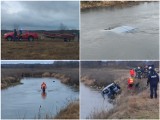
(92, 102)
(100, 44)
(25, 101)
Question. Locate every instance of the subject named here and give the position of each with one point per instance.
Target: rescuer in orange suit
(43, 86)
(130, 83)
(132, 72)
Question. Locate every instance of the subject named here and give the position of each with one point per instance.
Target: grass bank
(9, 81)
(10, 76)
(100, 77)
(134, 104)
(70, 112)
(100, 4)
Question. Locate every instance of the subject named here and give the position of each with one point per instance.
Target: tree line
(117, 64)
(55, 64)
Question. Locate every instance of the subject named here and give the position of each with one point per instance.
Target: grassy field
(44, 49)
(12, 76)
(130, 104)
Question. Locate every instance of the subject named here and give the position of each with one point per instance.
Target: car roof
(108, 86)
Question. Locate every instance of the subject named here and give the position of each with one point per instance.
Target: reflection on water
(27, 100)
(100, 44)
(44, 95)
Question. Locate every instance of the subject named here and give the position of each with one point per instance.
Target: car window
(106, 91)
(112, 87)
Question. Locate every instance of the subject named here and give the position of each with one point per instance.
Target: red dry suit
(130, 82)
(132, 73)
(43, 85)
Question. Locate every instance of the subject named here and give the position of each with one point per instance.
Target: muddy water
(92, 102)
(142, 43)
(24, 101)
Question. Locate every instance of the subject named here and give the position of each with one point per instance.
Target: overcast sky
(40, 15)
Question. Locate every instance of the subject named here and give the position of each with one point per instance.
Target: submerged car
(111, 90)
(26, 35)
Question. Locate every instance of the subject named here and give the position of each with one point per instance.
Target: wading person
(43, 86)
(153, 80)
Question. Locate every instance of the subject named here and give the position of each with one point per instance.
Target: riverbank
(9, 81)
(134, 104)
(70, 112)
(12, 77)
(101, 4)
(98, 78)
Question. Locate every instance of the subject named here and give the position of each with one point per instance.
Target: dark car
(111, 90)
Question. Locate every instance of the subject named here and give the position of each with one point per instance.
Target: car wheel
(9, 38)
(30, 38)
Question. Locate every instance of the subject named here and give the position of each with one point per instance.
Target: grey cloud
(40, 14)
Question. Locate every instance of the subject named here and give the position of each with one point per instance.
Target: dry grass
(70, 112)
(95, 4)
(9, 81)
(132, 107)
(100, 77)
(71, 73)
(130, 104)
(40, 49)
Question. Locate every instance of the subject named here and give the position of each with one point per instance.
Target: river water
(100, 44)
(26, 100)
(92, 102)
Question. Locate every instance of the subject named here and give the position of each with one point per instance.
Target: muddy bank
(14, 78)
(70, 112)
(101, 4)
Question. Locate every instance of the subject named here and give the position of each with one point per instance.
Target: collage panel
(40, 89)
(40, 30)
(119, 90)
(119, 30)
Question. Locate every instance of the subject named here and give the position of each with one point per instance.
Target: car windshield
(112, 87)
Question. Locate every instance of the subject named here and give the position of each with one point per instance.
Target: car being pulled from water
(26, 35)
(111, 90)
